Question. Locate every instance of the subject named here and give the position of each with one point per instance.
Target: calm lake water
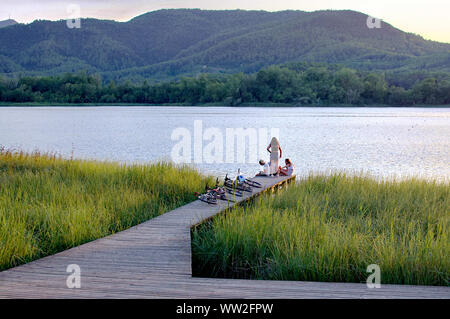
(381, 141)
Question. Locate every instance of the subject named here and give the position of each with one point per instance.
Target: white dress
(274, 158)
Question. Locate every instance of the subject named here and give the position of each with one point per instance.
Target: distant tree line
(290, 84)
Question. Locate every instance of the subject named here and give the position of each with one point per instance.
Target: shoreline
(261, 105)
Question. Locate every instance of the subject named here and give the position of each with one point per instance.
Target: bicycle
(218, 192)
(237, 185)
(226, 189)
(248, 181)
(207, 198)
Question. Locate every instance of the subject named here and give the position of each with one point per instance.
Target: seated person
(266, 168)
(287, 170)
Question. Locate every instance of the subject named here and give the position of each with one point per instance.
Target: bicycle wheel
(225, 198)
(253, 184)
(234, 192)
(207, 199)
(244, 188)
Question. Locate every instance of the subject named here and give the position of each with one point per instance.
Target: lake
(381, 141)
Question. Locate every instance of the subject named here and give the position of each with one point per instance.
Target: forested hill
(170, 43)
(7, 23)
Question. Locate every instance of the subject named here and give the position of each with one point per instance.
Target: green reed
(330, 228)
(49, 204)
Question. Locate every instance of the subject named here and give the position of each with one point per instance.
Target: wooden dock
(153, 260)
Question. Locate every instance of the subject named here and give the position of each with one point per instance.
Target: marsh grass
(330, 228)
(49, 204)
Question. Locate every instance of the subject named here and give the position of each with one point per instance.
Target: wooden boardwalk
(153, 260)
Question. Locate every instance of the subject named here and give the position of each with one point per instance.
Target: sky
(429, 18)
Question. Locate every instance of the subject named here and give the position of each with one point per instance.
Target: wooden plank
(153, 260)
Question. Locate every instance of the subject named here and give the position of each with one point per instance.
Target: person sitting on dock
(287, 170)
(266, 168)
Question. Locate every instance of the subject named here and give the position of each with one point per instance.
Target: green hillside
(170, 43)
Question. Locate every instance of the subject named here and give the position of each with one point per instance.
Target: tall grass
(330, 228)
(48, 204)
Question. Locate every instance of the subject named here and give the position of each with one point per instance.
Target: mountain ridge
(176, 42)
(7, 23)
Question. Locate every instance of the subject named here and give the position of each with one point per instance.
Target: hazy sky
(429, 18)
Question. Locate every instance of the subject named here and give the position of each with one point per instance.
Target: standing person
(275, 151)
